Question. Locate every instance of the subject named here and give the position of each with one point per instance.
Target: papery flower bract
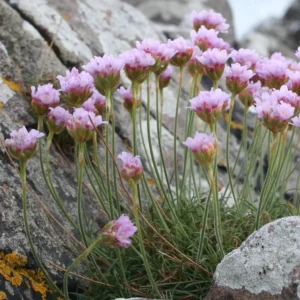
(209, 105)
(194, 66)
(160, 52)
(237, 78)
(297, 53)
(272, 72)
(247, 95)
(137, 64)
(208, 38)
(132, 169)
(204, 147)
(273, 114)
(165, 77)
(296, 121)
(76, 87)
(287, 96)
(184, 50)
(81, 125)
(245, 57)
(127, 96)
(209, 19)
(22, 144)
(214, 61)
(57, 119)
(105, 71)
(118, 233)
(43, 97)
(96, 104)
(294, 81)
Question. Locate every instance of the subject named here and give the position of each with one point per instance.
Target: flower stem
(76, 262)
(175, 132)
(51, 186)
(30, 241)
(216, 209)
(141, 241)
(227, 151)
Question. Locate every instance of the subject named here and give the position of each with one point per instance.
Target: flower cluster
(204, 147)
(96, 104)
(76, 87)
(105, 71)
(57, 119)
(43, 98)
(209, 105)
(118, 233)
(81, 125)
(132, 169)
(22, 144)
(127, 96)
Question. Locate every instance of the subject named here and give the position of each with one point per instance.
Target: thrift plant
(170, 220)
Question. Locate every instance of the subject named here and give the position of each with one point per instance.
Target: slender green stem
(217, 219)
(30, 241)
(107, 136)
(271, 164)
(76, 262)
(51, 186)
(216, 84)
(135, 88)
(141, 241)
(175, 132)
(79, 195)
(227, 151)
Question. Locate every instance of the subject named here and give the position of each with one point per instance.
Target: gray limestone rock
(265, 266)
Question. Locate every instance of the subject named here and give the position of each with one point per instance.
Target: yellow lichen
(3, 296)
(233, 125)
(13, 269)
(15, 86)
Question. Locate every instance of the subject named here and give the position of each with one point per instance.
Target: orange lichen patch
(233, 124)
(3, 296)
(15, 86)
(13, 269)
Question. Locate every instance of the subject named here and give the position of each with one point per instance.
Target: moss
(3, 296)
(13, 269)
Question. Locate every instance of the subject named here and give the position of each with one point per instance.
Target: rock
(172, 16)
(265, 266)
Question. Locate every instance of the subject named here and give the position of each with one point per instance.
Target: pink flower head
(165, 77)
(287, 96)
(105, 71)
(194, 66)
(22, 144)
(81, 125)
(160, 52)
(204, 147)
(127, 96)
(57, 119)
(43, 97)
(208, 38)
(118, 233)
(273, 114)
(184, 50)
(214, 61)
(96, 104)
(247, 95)
(237, 78)
(209, 105)
(297, 53)
(209, 19)
(76, 87)
(296, 121)
(132, 169)
(272, 72)
(137, 64)
(245, 57)
(294, 81)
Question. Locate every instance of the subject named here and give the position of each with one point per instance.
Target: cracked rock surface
(265, 266)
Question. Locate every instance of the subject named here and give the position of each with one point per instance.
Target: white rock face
(268, 261)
